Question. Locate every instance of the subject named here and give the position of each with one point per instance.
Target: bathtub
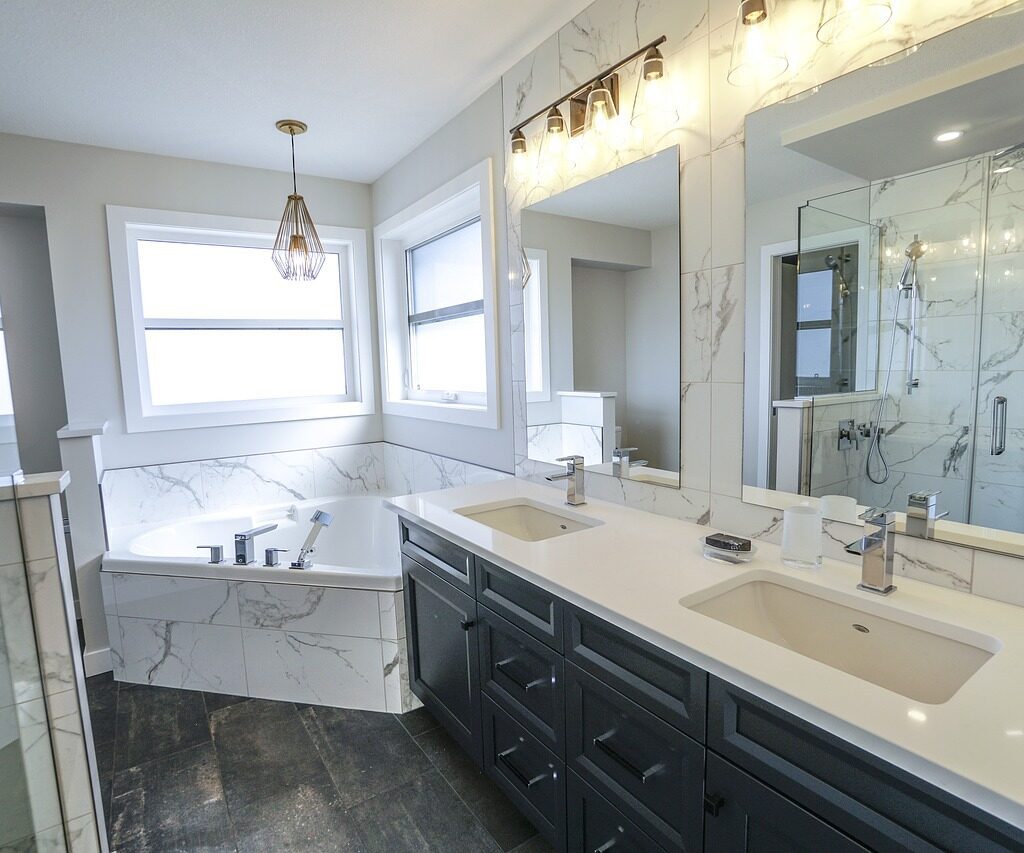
(333, 634)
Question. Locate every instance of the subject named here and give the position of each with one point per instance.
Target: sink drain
(862, 628)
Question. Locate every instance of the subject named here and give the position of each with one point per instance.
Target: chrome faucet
(922, 513)
(244, 550)
(575, 494)
(877, 549)
(320, 520)
(621, 463)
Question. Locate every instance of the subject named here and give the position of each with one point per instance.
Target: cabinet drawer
(673, 689)
(594, 825)
(524, 677)
(529, 774)
(537, 612)
(879, 805)
(744, 815)
(439, 555)
(642, 765)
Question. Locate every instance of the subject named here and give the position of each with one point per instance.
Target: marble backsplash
(156, 493)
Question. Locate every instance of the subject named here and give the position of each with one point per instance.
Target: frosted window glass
(6, 403)
(197, 281)
(448, 270)
(813, 352)
(449, 355)
(534, 328)
(814, 296)
(204, 365)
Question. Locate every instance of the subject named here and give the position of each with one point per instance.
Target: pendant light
(601, 109)
(653, 108)
(756, 54)
(298, 252)
(847, 20)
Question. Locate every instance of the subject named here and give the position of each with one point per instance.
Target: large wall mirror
(885, 288)
(601, 316)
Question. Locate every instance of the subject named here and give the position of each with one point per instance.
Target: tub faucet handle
(216, 553)
(270, 559)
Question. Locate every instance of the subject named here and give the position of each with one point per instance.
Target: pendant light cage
(298, 253)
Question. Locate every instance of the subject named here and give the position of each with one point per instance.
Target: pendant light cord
(295, 190)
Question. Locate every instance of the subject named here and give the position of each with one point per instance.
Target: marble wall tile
(313, 609)
(356, 469)
(1006, 468)
(999, 576)
(400, 469)
(727, 343)
(685, 504)
(114, 637)
(38, 760)
(1002, 343)
(20, 676)
(695, 435)
(37, 526)
(70, 753)
(928, 449)
(317, 668)
(934, 562)
(51, 624)
(107, 591)
(392, 615)
(728, 205)
(183, 654)
(531, 83)
(179, 599)
(687, 71)
(82, 835)
(695, 214)
(836, 535)
(10, 536)
(893, 492)
(727, 439)
(731, 515)
(152, 493)
(996, 505)
(437, 472)
(263, 479)
(479, 474)
(695, 307)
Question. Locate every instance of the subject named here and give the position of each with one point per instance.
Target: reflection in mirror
(601, 314)
(9, 461)
(885, 326)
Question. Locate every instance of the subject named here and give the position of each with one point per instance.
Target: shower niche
(885, 288)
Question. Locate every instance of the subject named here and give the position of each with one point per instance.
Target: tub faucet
(244, 550)
(320, 520)
(621, 463)
(574, 491)
(876, 548)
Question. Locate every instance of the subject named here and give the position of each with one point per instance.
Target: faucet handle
(571, 462)
(627, 450)
(216, 553)
(270, 556)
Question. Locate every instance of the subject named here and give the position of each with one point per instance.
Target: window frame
(544, 394)
(455, 204)
(128, 226)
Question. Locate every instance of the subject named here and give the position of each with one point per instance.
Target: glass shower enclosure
(916, 365)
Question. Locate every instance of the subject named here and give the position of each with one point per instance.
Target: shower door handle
(998, 426)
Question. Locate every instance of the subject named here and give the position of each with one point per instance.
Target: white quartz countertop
(635, 567)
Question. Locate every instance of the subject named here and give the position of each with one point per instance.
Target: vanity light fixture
(593, 106)
(756, 54)
(655, 111)
(848, 20)
(556, 133)
(949, 136)
(298, 253)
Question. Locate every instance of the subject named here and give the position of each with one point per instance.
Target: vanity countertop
(633, 569)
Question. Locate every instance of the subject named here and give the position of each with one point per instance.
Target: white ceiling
(644, 194)
(207, 80)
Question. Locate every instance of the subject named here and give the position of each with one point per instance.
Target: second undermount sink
(925, 664)
(528, 520)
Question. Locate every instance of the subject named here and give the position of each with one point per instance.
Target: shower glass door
(30, 812)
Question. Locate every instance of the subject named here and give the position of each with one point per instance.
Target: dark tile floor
(189, 771)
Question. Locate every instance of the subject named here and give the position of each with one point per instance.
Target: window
(210, 334)
(436, 294)
(535, 322)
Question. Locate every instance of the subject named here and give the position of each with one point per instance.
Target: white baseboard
(97, 661)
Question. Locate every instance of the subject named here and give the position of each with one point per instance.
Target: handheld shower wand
(320, 520)
(907, 286)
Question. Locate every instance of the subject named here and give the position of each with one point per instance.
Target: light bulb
(756, 54)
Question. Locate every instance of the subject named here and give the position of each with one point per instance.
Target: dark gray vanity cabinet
(609, 744)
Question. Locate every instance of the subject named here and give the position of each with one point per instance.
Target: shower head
(908, 278)
(832, 262)
(916, 250)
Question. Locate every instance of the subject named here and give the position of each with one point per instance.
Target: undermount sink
(528, 520)
(920, 664)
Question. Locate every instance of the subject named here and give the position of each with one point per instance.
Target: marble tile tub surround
(330, 646)
(156, 493)
(60, 660)
(710, 135)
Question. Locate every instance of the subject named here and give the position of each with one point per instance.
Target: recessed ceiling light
(917, 716)
(949, 136)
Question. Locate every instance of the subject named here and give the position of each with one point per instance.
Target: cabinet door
(744, 816)
(443, 663)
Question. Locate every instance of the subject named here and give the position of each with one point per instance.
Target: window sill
(452, 413)
(157, 422)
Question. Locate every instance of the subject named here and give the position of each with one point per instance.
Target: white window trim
(544, 394)
(465, 197)
(125, 225)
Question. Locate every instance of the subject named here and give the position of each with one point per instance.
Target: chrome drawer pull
(503, 757)
(640, 775)
(604, 848)
(503, 667)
